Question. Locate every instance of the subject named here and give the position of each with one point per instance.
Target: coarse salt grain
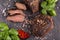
(4, 10)
(57, 7)
(4, 13)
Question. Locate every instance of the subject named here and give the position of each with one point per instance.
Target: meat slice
(12, 12)
(41, 25)
(17, 18)
(20, 6)
(34, 5)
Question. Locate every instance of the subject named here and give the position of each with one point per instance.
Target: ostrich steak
(41, 25)
(33, 4)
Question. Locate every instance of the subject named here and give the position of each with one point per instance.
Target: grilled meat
(13, 12)
(41, 25)
(17, 18)
(34, 5)
(20, 6)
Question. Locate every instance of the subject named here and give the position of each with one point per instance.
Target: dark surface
(53, 35)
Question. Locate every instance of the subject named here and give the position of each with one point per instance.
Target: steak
(16, 18)
(33, 4)
(41, 25)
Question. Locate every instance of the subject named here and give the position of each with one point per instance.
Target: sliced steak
(16, 18)
(13, 12)
(20, 6)
(34, 5)
(41, 25)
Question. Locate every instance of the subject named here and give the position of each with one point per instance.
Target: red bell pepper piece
(23, 34)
